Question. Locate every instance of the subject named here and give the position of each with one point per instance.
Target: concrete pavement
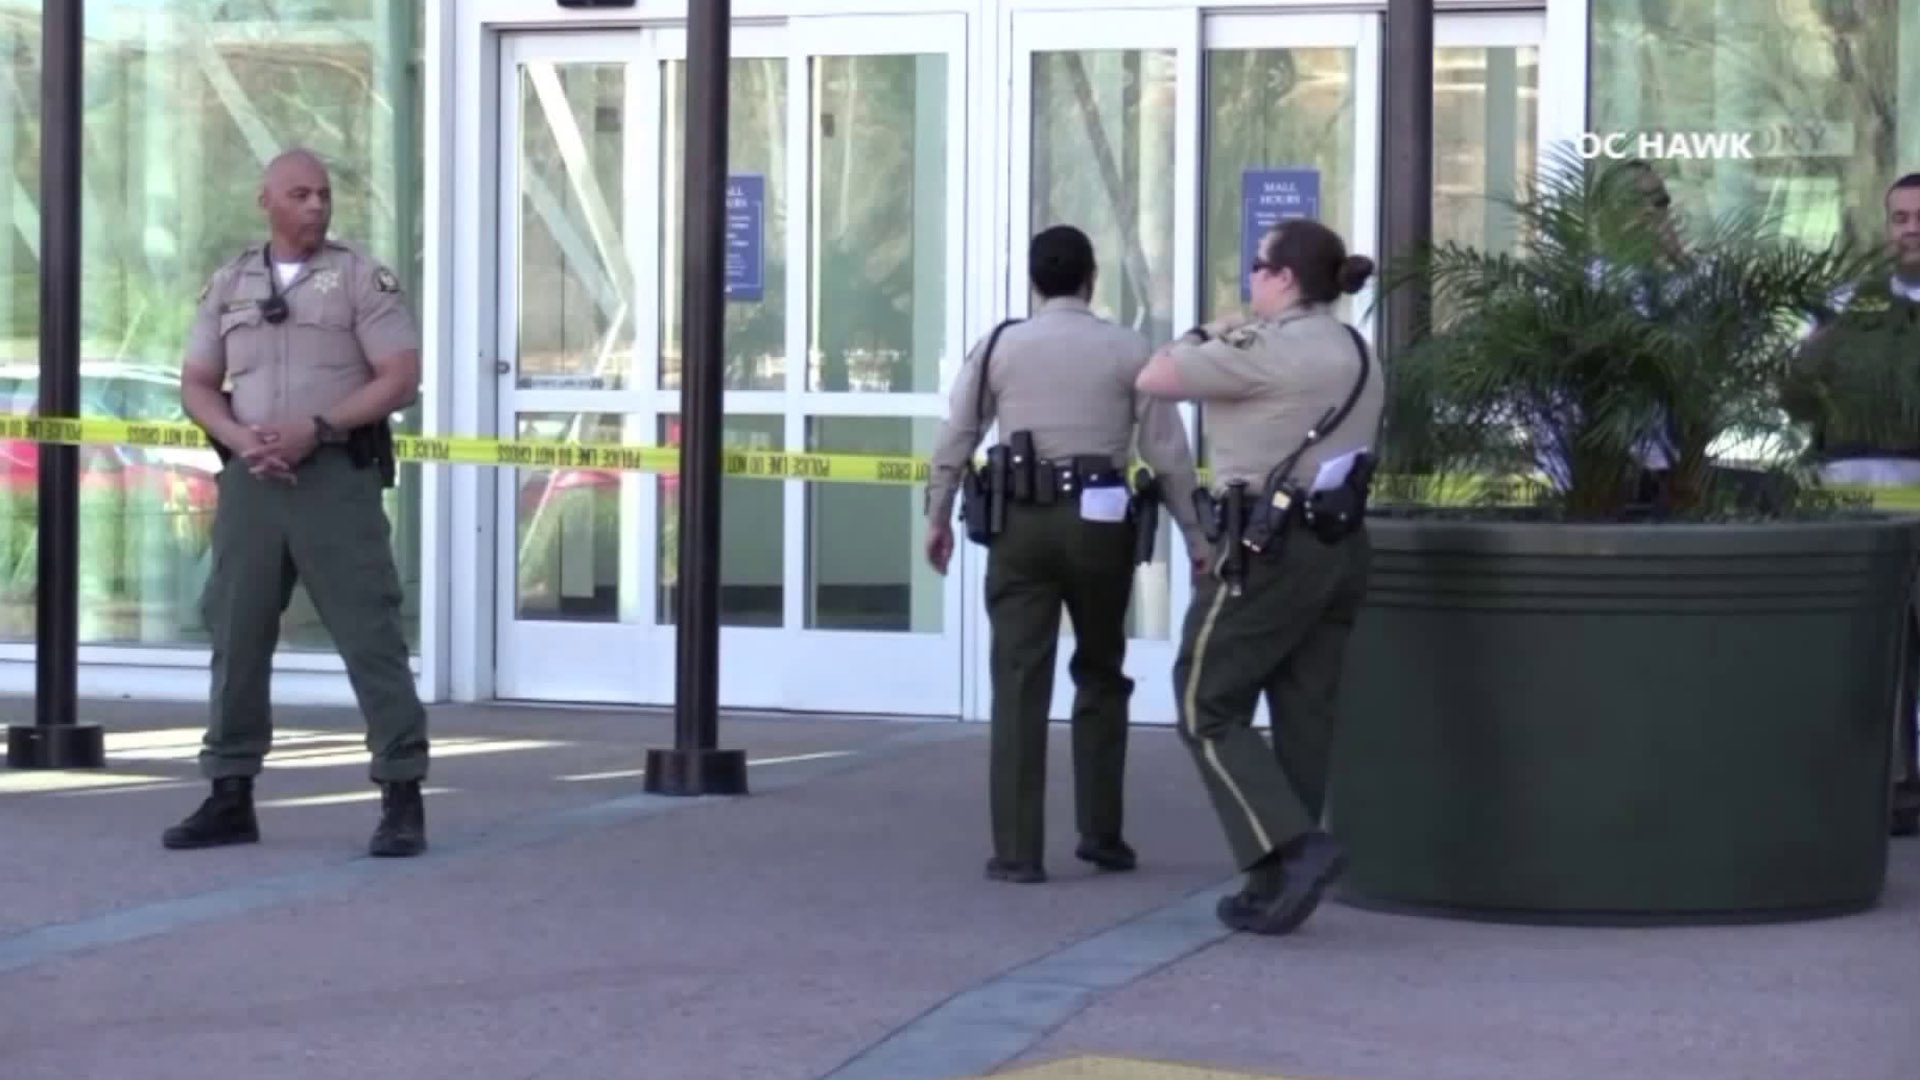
(834, 925)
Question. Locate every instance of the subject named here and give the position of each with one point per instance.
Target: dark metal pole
(1407, 160)
(55, 740)
(695, 766)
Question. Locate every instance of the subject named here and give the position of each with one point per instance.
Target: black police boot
(402, 831)
(1022, 873)
(1264, 881)
(1305, 867)
(226, 817)
(1109, 853)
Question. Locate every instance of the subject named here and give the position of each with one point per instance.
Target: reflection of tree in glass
(1103, 161)
(755, 335)
(1272, 108)
(873, 145)
(1818, 81)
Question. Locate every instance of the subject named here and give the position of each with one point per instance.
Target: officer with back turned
(1061, 525)
(1293, 406)
(319, 349)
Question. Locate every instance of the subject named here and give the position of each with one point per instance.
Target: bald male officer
(1061, 387)
(319, 349)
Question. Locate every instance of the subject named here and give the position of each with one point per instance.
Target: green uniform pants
(1048, 556)
(329, 531)
(1284, 636)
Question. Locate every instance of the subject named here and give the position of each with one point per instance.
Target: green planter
(1608, 723)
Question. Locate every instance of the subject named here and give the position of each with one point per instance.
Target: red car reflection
(178, 480)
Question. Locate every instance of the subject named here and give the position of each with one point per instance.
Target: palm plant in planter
(1656, 689)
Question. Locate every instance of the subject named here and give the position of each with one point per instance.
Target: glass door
(579, 161)
(842, 324)
(1486, 123)
(881, 153)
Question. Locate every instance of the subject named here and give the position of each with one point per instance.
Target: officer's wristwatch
(325, 432)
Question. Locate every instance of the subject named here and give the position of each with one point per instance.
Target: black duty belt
(1062, 481)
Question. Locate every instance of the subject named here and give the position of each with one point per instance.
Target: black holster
(1145, 512)
(973, 506)
(983, 495)
(370, 446)
(1269, 520)
(1232, 532)
(1021, 463)
(1336, 513)
(1206, 510)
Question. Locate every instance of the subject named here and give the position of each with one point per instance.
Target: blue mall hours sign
(746, 237)
(1268, 197)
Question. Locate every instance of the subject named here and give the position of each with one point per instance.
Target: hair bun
(1353, 273)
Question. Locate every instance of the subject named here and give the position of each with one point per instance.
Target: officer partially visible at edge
(1884, 451)
(1287, 393)
(1061, 526)
(320, 349)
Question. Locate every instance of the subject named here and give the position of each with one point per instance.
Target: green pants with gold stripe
(1284, 636)
(328, 531)
(1047, 558)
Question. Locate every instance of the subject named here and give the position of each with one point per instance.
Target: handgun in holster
(371, 446)
(1145, 511)
(1268, 519)
(997, 483)
(1206, 510)
(973, 506)
(1020, 466)
(1233, 565)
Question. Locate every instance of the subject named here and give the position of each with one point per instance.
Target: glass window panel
(1273, 109)
(865, 542)
(1486, 126)
(576, 295)
(1103, 161)
(756, 326)
(567, 526)
(753, 514)
(880, 224)
(1102, 158)
(1830, 91)
(184, 105)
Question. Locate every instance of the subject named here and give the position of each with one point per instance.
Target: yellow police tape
(761, 464)
(468, 450)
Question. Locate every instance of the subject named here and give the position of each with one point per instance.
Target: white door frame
(592, 662)
(786, 668)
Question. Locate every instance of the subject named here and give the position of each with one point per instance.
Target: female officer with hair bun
(1293, 408)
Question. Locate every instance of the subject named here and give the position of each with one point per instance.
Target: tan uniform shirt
(1266, 384)
(1067, 375)
(344, 310)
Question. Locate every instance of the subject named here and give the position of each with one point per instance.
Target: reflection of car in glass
(182, 479)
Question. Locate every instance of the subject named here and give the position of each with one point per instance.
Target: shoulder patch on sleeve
(385, 281)
(1242, 337)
